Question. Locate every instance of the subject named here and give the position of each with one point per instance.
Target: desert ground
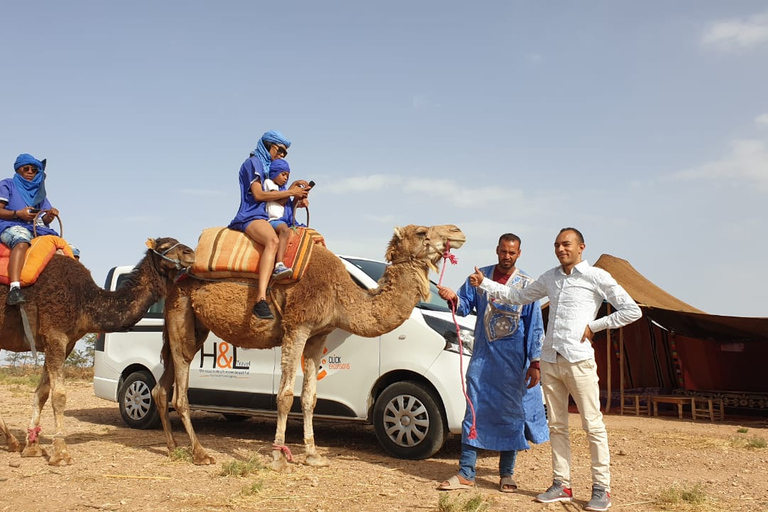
(657, 464)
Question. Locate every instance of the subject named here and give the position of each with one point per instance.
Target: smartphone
(311, 184)
(34, 210)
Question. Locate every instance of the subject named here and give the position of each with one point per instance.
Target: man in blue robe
(503, 374)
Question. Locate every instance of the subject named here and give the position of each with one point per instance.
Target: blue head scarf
(33, 192)
(277, 167)
(261, 152)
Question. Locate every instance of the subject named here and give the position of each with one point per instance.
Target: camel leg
(32, 446)
(13, 443)
(181, 404)
(312, 355)
(160, 397)
(293, 347)
(185, 338)
(55, 366)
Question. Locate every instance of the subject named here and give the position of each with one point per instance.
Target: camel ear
(151, 243)
(399, 232)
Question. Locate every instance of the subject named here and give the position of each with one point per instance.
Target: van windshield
(375, 269)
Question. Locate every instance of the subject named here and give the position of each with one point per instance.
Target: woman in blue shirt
(252, 218)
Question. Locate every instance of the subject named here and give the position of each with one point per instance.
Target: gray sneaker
(556, 492)
(601, 499)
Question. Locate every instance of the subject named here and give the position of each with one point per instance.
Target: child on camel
(279, 172)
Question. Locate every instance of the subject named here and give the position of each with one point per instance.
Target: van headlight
(447, 330)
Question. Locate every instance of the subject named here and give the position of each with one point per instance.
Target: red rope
(32, 433)
(286, 451)
(447, 256)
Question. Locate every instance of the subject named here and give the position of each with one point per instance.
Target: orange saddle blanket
(226, 253)
(40, 252)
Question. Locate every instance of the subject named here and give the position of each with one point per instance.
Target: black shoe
(15, 297)
(260, 309)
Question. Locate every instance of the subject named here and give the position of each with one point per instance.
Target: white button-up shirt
(574, 300)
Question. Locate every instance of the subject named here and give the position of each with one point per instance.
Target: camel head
(169, 254)
(422, 244)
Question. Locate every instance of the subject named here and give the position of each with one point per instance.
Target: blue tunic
(506, 338)
(13, 201)
(251, 209)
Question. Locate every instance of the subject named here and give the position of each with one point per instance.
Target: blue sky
(644, 124)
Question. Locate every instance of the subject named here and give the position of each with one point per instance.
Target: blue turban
(277, 167)
(273, 137)
(27, 159)
(33, 192)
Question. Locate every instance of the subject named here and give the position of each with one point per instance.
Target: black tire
(135, 398)
(408, 421)
(235, 418)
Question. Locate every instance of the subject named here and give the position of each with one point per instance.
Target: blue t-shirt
(250, 209)
(13, 201)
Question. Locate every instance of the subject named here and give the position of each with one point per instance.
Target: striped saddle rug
(225, 253)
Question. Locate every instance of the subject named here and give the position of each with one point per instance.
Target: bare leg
(283, 234)
(261, 232)
(32, 447)
(16, 261)
(293, 347)
(312, 355)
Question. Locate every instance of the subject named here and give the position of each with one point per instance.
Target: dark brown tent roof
(675, 315)
(639, 288)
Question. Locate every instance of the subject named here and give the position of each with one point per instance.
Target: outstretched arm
(534, 291)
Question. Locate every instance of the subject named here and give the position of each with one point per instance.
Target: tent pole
(608, 365)
(621, 365)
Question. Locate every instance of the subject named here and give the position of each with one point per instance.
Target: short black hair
(578, 233)
(510, 237)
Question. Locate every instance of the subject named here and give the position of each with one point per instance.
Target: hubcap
(406, 421)
(138, 399)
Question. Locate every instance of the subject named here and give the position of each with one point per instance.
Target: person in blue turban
(22, 198)
(252, 217)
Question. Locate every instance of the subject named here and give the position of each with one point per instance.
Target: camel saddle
(223, 253)
(40, 252)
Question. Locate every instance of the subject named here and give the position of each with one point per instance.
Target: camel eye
(422, 233)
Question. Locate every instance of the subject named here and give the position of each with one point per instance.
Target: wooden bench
(712, 408)
(680, 401)
(632, 403)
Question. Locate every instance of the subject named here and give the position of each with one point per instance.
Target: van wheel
(135, 398)
(409, 423)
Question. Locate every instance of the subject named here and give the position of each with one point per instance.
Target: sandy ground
(116, 468)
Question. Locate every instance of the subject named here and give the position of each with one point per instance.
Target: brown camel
(63, 306)
(326, 298)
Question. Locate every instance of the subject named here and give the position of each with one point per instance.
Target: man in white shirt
(576, 291)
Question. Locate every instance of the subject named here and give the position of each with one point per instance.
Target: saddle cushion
(40, 252)
(226, 253)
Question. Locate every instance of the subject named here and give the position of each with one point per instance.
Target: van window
(155, 310)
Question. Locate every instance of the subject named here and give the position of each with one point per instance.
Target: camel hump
(224, 253)
(40, 252)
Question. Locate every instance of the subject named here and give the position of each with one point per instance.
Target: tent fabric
(678, 348)
(639, 288)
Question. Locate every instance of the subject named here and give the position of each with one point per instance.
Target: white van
(407, 383)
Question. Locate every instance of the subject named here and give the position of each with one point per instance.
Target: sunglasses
(282, 151)
(25, 168)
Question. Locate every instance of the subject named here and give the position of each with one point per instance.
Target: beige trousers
(579, 380)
